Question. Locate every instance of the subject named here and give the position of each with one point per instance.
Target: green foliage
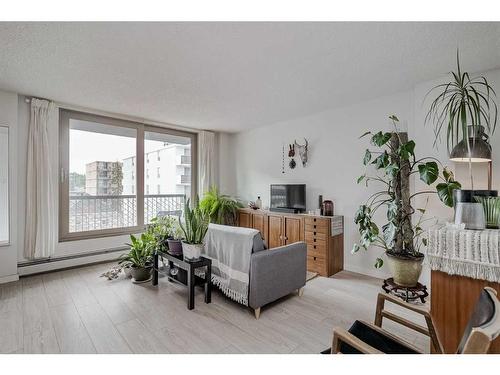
(141, 251)
(196, 223)
(397, 234)
(221, 209)
(429, 172)
(462, 101)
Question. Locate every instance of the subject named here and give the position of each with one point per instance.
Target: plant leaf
(379, 263)
(445, 191)
(355, 248)
(379, 139)
(428, 172)
(360, 178)
(367, 157)
(364, 134)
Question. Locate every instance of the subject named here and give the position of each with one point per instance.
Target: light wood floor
(76, 311)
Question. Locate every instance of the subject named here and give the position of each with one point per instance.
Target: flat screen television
(288, 198)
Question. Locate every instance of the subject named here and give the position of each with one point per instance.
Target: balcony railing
(97, 212)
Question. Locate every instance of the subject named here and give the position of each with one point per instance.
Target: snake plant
(195, 223)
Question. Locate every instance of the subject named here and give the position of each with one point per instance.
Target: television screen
(289, 196)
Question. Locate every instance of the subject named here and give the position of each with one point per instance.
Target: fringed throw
(470, 253)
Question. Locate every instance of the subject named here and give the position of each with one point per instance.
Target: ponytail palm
(461, 102)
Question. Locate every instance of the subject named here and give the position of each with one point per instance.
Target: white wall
(335, 155)
(8, 254)
(254, 158)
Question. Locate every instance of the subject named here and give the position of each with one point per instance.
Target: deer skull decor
(302, 151)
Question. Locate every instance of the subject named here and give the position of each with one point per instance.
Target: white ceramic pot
(191, 251)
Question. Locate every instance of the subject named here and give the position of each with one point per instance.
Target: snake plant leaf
(429, 172)
(445, 191)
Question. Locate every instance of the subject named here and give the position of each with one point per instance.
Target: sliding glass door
(116, 175)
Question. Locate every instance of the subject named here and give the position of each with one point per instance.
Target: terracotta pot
(191, 251)
(405, 271)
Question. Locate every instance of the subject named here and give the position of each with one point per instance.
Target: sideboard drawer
(316, 264)
(318, 221)
(316, 250)
(315, 237)
(317, 228)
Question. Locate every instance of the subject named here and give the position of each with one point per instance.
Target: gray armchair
(275, 273)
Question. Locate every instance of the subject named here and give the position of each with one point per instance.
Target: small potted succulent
(139, 258)
(194, 229)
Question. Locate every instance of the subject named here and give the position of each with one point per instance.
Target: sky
(86, 147)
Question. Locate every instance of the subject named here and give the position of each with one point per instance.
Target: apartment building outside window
(105, 158)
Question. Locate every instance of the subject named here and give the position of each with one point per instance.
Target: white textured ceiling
(233, 76)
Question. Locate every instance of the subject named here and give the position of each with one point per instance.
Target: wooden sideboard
(325, 250)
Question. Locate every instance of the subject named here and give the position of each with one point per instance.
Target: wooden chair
(362, 337)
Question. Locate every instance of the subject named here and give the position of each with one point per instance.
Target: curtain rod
(144, 121)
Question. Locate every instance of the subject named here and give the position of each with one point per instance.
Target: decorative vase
(191, 251)
(470, 214)
(141, 273)
(174, 247)
(491, 208)
(405, 271)
(467, 196)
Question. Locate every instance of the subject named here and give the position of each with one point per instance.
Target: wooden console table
(323, 235)
(453, 256)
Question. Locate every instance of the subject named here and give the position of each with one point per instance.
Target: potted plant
(194, 230)
(175, 239)
(140, 256)
(221, 209)
(394, 161)
(161, 228)
(465, 110)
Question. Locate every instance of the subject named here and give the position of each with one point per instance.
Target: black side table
(186, 274)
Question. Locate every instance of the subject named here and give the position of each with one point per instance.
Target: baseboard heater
(70, 257)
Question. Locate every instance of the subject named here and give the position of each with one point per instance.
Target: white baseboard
(56, 264)
(8, 279)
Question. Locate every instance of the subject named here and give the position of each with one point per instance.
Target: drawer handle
(314, 258)
(314, 240)
(315, 246)
(314, 226)
(314, 233)
(314, 220)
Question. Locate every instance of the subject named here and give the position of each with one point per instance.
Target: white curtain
(207, 160)
(40, 232)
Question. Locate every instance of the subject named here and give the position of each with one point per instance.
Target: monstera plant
(394, 161)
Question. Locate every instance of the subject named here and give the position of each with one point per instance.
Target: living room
(249, 187)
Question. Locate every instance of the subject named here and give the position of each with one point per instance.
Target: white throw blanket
(230, 249)
(470, 253)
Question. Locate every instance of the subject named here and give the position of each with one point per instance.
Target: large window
(107, 167)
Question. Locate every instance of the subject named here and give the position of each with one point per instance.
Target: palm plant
(220, 208)
(196, 223)
(462, 101)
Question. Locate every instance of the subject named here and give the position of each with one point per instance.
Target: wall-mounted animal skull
(302, 152)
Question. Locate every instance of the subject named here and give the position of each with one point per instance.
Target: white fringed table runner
(470, 253)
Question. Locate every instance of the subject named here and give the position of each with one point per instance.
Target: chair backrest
(483, 326)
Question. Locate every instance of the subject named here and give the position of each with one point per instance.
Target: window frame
(63, 216)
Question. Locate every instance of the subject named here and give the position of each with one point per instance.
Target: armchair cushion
(374, 338)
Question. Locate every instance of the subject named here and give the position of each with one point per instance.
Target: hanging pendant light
(479, 150)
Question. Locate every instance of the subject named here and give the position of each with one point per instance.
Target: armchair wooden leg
(301, 291)
(257, 313)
